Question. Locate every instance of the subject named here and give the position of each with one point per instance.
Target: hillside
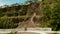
(20, 14)
(36, 14)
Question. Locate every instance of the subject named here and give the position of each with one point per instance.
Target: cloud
(2, 3)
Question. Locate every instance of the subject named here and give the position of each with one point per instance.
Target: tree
(16, 4)
(6, 6)
(30, 1)
(52, 12)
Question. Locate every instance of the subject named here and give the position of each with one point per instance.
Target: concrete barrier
(35, 30)
(40, 29)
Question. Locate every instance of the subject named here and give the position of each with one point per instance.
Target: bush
(12, 33)
(53, 15)
(5, 23)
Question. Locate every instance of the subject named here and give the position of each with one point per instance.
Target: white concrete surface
(35, 30)
(39, 29)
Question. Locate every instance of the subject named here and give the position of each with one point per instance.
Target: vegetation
(6, 23)
(52, 12)
(50, 9)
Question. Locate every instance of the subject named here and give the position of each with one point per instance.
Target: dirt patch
(27, 33)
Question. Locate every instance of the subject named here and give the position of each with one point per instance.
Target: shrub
(5, 23)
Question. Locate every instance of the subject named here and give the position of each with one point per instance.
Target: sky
(9, 2)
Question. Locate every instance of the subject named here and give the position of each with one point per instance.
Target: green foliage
(6, 23)
(56, 18)
(52, 12)
(12, 33)
(15, 20)
(8, 14)
(23, 11)
(30, 1)
(16, 4)
(49, 8)
(1, 14)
